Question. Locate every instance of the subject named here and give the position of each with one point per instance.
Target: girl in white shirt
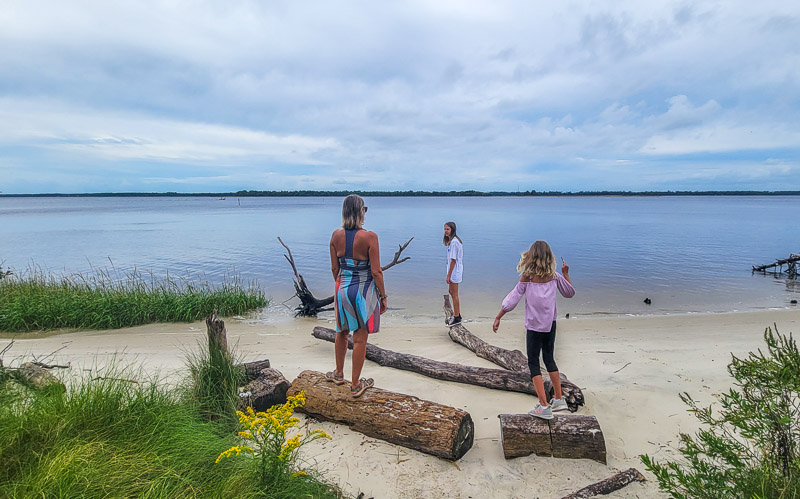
(455, 267)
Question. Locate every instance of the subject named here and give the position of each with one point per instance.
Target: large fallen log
(608, 485)
(513, 360)
(566, 436)
(310, 305)
(436, 429)
(499, 379)
(267, 389)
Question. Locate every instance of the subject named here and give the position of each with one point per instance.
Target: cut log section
(565, 436)
(608, 485)
(513, 360)
(435, 429)
(267, 389)
(499, 379)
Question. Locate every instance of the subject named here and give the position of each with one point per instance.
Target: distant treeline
(308, 193)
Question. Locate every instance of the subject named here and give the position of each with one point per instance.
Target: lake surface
(687, 254)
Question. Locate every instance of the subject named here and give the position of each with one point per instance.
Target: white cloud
(396, 95)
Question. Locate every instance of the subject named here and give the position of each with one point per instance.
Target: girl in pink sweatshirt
(538, 283)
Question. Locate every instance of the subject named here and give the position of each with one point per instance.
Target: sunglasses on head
(365, 209)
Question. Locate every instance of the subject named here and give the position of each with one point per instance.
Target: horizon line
(410, 193)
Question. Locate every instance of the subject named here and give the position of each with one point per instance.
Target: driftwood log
(310, 305)
(267, 389)
(566, 436)
(217, 336)
(35, 375)
(499, 379)
(513, 360)
(791, 262)
(608, 485)
(252, 370)
(435, 429)
(218, 345)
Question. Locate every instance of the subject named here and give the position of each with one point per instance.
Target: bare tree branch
(310, 305)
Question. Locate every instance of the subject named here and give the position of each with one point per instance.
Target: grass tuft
(35, 300)
(110, 437)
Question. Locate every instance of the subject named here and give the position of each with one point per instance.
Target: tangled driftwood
(310, 305)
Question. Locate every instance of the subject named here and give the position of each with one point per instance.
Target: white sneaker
(541, 412)
(558, 405)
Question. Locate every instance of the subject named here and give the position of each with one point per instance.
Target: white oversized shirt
(455, 251)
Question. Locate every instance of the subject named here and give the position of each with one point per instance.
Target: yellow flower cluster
(235, 450)
(267, 431)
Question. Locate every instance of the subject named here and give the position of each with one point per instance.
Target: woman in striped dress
(360, 296)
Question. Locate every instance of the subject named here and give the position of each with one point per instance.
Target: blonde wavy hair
(538, 261)
(352, 212)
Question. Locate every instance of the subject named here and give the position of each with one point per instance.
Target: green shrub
(751, 449)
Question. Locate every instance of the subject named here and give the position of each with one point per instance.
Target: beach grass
(113, 436)
(35, 300)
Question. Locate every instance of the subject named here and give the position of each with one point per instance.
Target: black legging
(545, 343)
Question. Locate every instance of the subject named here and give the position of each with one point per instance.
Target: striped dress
(356, 297)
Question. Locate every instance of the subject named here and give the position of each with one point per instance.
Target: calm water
(687, 254)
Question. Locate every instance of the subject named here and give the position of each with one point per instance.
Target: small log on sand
(565, 436)
(499, 379)
(435, 429)
(252, 370)
(267, 389)
(513, 360)
(608, 485)
(37, 376)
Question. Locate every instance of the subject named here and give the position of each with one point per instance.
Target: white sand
(633, 391)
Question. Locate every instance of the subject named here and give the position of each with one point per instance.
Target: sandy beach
(631, 370)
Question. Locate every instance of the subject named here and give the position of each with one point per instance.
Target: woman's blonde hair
(538, 261)
(353, 212)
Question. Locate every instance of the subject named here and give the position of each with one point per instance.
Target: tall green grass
(35, 300)
(108, 437)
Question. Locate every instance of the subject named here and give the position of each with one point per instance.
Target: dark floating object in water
(567, 316)
(793, 302)
(648, 301)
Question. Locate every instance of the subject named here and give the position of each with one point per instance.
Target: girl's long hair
(446, 240)
(352, 212)
(538, 261)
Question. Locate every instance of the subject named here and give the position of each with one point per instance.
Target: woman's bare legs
(340, 348)
(359, 352)
(453, 290)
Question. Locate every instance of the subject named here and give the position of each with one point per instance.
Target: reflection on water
(687, 254)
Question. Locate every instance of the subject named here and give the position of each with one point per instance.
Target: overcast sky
(210, 96)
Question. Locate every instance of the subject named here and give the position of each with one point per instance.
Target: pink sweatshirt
(540, 301)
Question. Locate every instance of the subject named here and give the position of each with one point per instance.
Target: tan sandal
(361, 387)
(336, 379)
